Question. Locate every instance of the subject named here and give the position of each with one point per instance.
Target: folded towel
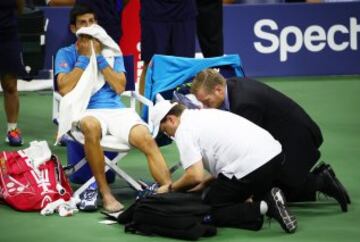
(38, 153)
(74, 103)
(64, 208)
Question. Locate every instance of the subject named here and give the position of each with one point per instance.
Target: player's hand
(97, 46)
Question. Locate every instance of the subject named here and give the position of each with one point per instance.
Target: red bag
(27, 189)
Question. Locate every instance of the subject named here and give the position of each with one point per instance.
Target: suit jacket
(298, 134)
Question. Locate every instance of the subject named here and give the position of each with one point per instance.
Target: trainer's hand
(83, 46)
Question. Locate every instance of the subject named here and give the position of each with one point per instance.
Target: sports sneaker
(322, 167)
(89, 199)
(13, 137)
(147, 191)
(277, 209)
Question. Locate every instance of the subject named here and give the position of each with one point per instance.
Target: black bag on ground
(175, 215)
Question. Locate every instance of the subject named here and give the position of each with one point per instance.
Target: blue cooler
(75, 153)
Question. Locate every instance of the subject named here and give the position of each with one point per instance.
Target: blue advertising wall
(295, 39)
(271, 39)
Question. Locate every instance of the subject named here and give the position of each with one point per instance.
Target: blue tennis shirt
(105, 97)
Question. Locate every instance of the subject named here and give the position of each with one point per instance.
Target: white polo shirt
(225, 142)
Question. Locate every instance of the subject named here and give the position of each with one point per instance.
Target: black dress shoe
(332, 188)
(323, 166)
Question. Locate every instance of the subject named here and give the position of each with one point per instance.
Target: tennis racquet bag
(27, 189)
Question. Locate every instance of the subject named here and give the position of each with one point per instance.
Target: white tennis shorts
(117, 122)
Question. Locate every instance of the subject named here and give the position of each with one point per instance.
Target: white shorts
(117, 122)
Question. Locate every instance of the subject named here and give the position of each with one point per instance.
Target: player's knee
(91, 128)
(141, 138)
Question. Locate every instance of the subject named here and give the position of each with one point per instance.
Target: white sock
(12, 126)
(263, 207)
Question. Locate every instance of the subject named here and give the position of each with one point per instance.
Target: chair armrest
(142, 99)
(56, 105)
(136, 96)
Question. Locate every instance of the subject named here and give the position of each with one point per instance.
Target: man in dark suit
(298, 134)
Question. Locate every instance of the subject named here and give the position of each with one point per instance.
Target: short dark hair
(177, 110)
(80, 9)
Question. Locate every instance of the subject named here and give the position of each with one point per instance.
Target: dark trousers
(302, 153)
(304, 193)
(227, 196)
(210, 27)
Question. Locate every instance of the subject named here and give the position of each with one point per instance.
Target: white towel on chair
(74, 103)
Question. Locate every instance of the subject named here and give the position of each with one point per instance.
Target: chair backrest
(130, 72)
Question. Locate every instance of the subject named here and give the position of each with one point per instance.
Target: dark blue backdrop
(239, 37)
